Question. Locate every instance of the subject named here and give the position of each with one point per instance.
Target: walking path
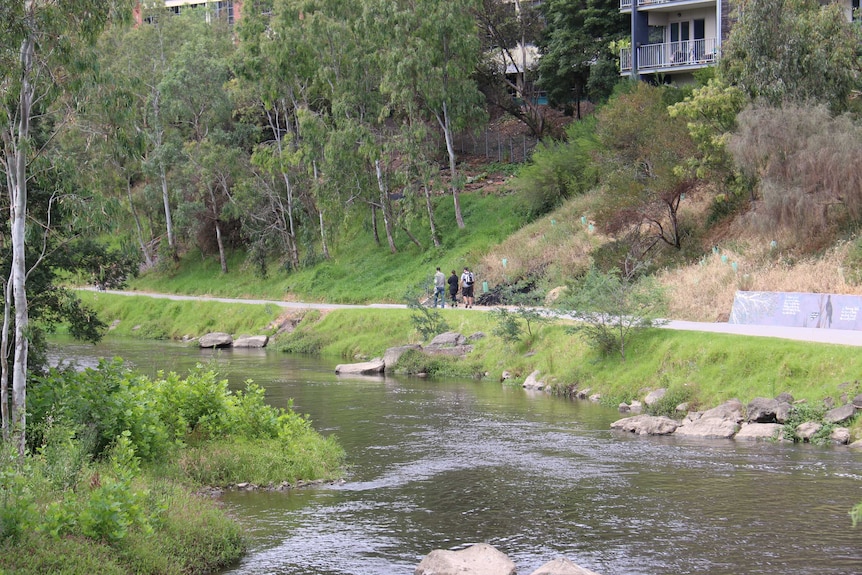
(814, 335)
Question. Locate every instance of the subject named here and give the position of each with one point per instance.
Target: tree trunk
(4, 358)
(18, 206)
(453, 170)
(374, 224)
(387, 225)
(166, 199)
(428, 205)
(324, 248)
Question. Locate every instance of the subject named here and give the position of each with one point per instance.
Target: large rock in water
(393, 354)
(215, 340)
(562, 566)
(646, 425)
(479, 559)
(251, 341)
(373, 367)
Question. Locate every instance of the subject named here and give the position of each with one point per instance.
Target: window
(854, 7)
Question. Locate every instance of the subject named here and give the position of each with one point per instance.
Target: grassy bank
(701, 368)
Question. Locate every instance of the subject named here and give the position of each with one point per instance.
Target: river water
(445, 464)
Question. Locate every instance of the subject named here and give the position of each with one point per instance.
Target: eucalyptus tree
(430, 49)
(44, 46)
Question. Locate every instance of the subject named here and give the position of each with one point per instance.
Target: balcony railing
(687, 54)
(627, 4)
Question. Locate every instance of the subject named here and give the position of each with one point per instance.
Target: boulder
(646, 425)
(759, 431)
(857, 401)
(373, 367)
(533, 381)
(562, 566)
(393, 354)
(782, 414)
(708, 428)
(840, 414)
(448, 339)
(479, 559)
(251, 341)
(784, 397)
(730, 409)
(840, 435)
(215, 340)
(477, 336)
(807, 430)
(762, 410)
(654, 396)
(856, 444)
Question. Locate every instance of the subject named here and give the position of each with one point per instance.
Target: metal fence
(496, 147)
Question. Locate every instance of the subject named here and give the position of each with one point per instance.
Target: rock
(636, 407)
(623, 408)
(856, 444)
(807, 430)
(762, 410)
(584, 393)
(840, 414)
(782, 414)
(251, 341)
(533, 382)
(840, 435)
(596, 397)
(373, 367)
(654, 396)
(448, 339)
(479, 559)
(393, 354)
(562, 566)
(784, 397)
(730, 409)
(646, 425)
(682, 407)
(215, 340)
(759, 431)
(505, 375)
(457, 351)
(477, 336)
(709, 427)
(857, 401)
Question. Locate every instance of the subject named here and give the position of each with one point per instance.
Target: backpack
(470, 278)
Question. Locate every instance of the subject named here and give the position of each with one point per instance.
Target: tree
(611, 307)
(576, 39)
(642, 148)
(431, 56)
(43, 46)
(795, 50)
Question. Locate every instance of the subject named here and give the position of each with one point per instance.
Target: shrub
(802, 413)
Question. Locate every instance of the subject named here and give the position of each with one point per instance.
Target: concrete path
(814, 335)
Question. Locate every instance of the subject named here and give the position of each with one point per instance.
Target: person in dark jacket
(453, 288)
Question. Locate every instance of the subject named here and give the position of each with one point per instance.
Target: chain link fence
(496, 146)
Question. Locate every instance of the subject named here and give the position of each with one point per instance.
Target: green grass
(153, 318)
(360, 271)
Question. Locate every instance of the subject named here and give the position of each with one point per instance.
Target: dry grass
(705, 292)
(555, 247)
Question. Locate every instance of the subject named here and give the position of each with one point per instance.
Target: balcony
(671, 56)
(665, 5)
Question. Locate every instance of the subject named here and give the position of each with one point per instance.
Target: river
(444, 464)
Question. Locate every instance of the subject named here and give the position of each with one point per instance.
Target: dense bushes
(114, 457)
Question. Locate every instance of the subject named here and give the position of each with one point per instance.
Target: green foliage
(856, 514)
(559, 170)
(610, 308)
(519, 324)
(802, 413)
(797, 50)
(672, 398)
(427, 321)
(414, 362)
(18, 512)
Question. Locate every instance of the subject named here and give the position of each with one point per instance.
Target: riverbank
(701, 369)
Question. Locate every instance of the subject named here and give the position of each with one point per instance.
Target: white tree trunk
(383, 202)
(453, 169)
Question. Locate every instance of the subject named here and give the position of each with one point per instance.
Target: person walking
(439, 288)
(453, 288)
(467, 287)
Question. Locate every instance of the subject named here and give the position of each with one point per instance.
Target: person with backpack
(453, 288)
(467, 280)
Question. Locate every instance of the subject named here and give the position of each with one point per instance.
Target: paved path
(836, 336)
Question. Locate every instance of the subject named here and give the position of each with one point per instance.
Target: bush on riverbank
(115, 460)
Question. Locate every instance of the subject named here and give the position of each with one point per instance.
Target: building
(673, 38)
(230, 10)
